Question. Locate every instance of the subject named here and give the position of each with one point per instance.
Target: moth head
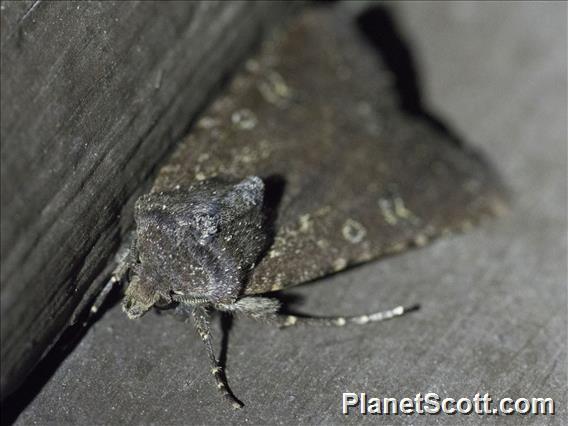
(138, 298)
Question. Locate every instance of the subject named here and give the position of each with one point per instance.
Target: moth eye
(163, 302)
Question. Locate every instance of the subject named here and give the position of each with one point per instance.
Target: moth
(304, 167)
(193, 250)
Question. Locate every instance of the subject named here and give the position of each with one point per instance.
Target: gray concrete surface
(494, 301)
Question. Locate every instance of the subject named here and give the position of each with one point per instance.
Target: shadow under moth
(304, 167)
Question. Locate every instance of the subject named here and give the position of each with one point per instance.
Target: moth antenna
(201, 320)
(190, 300)
(340, 321)
(261, 308)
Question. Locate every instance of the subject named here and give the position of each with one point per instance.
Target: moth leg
(102, 296)
(262, 308)
(340, 321)
(125, 258)
(201, 319)
(265, 308)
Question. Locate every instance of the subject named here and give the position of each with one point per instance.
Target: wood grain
(93, 97)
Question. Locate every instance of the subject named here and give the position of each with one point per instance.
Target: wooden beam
(94, 95)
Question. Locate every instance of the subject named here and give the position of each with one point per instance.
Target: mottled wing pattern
(316, 110)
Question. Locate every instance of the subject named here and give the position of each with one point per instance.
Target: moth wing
(362, 178)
